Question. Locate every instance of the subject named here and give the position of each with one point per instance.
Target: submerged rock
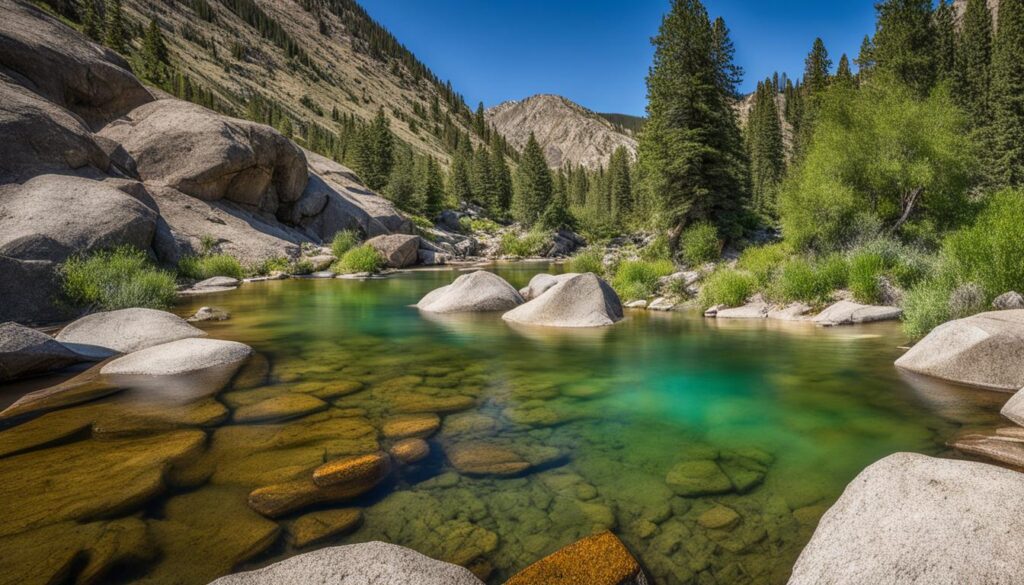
(361, 472)
(698, 478)
(601, 559)
(209, 314)
(912, 519)
(281, 407)
(985, 350)
(1014, 408)
(410, 450)
(1003, 449)
(398, 250)
(101, 335)
(850, 313)
(318, 526)
(411, 425)
(82, 388)
(180, 357)
(478, 291)
(583, 300)
(25, 352)
(371, 562)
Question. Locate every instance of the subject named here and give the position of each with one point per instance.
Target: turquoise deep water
(710, 448)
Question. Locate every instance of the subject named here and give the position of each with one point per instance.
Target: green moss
(117, 279)
(727, 287)
(360, 259)
(638, 279)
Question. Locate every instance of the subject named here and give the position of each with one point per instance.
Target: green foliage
(763, 261)
(270, 265)
(766, 148)
(866, 267)
(210, 265)
(638, 279)
(925, 307)
(374, 152)
(881, 159)
(972, 70)
(990, 252)
(473, 225)
(155, 57)
(699, 244)
(727, 287)
(534, 189)
(905, 43)
(117, 279)
(1007, 133)
(531, 244)
(586, 260)
(360, 259)
(116, 35)
(302, 267)
(620, 184)
(808, 280)
(344, 241)
(658, 249)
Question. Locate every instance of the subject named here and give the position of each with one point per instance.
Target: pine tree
(534, 187)
(1008, 96)
(374, 155)
(116, 37)
(460, 181)
(866, 58)
(691, 150)
(401, 185)
(431, 188)
(767, 151)
(816, 69)
(483, 180)
(972, 75)
(843, 73)
(945, 41)
(904, 42)
(620, 184)
(480, 121)
(154, 56)
(723, 52)
(92, 24)
(501, 176)
(556, 215)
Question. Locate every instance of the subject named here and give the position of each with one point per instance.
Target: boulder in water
(101, 335)
(850, 313)
(475, 292)
(180, 357)
(26, 352)
(600, 559)
(541, 283)
(583, 300)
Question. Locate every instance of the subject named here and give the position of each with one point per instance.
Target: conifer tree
(767, 151)
(816, 68)
(620, 184)
(843, 73)
(480, 122)
(1008, 96)
(972, 75)
(374, 152)
(460, 182)
(92, 24)
(431, 187)
(691, 150)
(501, 175)
(905, 41)
(154, 56)
(866, 58)
(401, 186)
(534, 187)
(116, 37)
(483, 180)
(945, 41)
(556, 215)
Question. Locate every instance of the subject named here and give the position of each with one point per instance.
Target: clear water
(789, 412)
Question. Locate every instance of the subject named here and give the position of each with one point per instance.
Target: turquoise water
(609, 425)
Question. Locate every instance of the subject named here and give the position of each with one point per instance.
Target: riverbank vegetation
(117, 279)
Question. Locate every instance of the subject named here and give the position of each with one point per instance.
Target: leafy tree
(767, 151)
(1008, 96)
(620, 184)
(534, 187)
(116, 35)
(374, 155)
(883, 161)
(155, 57)
(945, 41)
(691, 149)
(905, 41)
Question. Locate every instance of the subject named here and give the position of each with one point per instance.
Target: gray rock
(322, 261)
(850, 313)
(1014, 408)
(1008, 301)
(641, 304)
(793, 312)
(449, 220)
(912, 519)
(541, 283)
(398, 250)
(751, 311)
(356, 564)
(65, 67)
(25, 352)
(210, 156)
(475, 292)
(584, 300)
(431, 258)
(713, 310)
(661, 304)
(179, 357)
(984, 350)
(102, 335)
(209, 314)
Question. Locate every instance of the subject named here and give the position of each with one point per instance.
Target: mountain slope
(568, 132)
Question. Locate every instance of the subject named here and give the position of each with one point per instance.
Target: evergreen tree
(534, 187)
(431, 187)
(866, 58)
(816, 69)
(691, 150)
(843, 73)
(154, 56)
(92, 24)
(556, 215)
(972, 75)
(945, 41)
(501, 176)
(620, 184)
(1008, 96)
(904, 42)
(483, 180)
(480, 121)
(767, 151)
(730, 75)
(460, 181)
(401, 185)
(116, 37)
(374, 155)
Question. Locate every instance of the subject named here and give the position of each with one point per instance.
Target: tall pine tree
(534, 187)
(866, 58)
(905, 41)
(374, 155)
(155, 57)
(92, 24)
(945, 41)
(844, 74)
(972, 74)
(460, 180)
(116, 35)
(817, 66)
(430, 186)
(1008, 96)
(767, 151)
(501, 176)
(620, 184)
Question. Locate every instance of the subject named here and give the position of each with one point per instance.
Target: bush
(421, 222)
(638, 279)
(532, 244)
(808, 280)
(727, 287)
(344, 241)
(656, 250)
(866, 268)
(587, 260)
(118, 279)
(699, 244)
(302, 267)
(472, 225)
(360, 259)
(208, 266)
(269, 265)
(764, 261)
(925, 307)
(990, 252)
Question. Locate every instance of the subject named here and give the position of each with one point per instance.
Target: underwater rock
(101, 335)
(209, 314)
(361, 472)
(415, 403)
(698, 478)
(82, 388)
(280, 499)
(411, 426)
(719, 518)
(25, 352)
(184, 356)
(281, 407)
(328, 389)
(410, 450)
(486, 459)
(583, 300)
(850, 313)
(317, 526)
(475, 292)
(601, 559)
(371, 562)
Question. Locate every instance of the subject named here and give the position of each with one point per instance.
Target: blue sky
(597, 52)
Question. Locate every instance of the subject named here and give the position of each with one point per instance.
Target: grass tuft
(117, 279)
(360, 259)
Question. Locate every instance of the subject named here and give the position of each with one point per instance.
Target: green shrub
(531, 244)
(269, 265)
(207, 243)
(764, 261)
(302, 267)
(638, 279)
(808, 280)
(990, 252)
(472, 225)
(421, 222)
(118, 279)
(925, 307)
(699, 244)
(203, 267)
(728, 287)
(360, 259)
(587, 260)
(344, 241)
(866, 267)
(656, 250)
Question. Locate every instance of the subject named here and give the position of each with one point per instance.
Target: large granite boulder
(210, 156)
(1014, 408)
(180, 357)
(541, 283)
(25, 351)
(985, 350)
(102, 335)
(583, 300)
(850, 313)
(1008, 301)
(356, 564)
(398, 250)
(475, 292)
(600, 559)
(912, 519)
(66, 68)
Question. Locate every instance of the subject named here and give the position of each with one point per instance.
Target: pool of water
(710, 448)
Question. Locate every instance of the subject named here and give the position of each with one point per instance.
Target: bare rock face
(912, 519)
(581, 301)
(212, 157)
(398, 250)
(542, 283)
(565, 130)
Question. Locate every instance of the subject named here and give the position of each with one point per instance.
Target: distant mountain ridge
(567, 131)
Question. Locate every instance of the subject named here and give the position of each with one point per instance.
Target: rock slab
(601, 559)
(584, 300)
(850, 313)
(26, 352)
(398, 250)
(180, 357)
(102, 335)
